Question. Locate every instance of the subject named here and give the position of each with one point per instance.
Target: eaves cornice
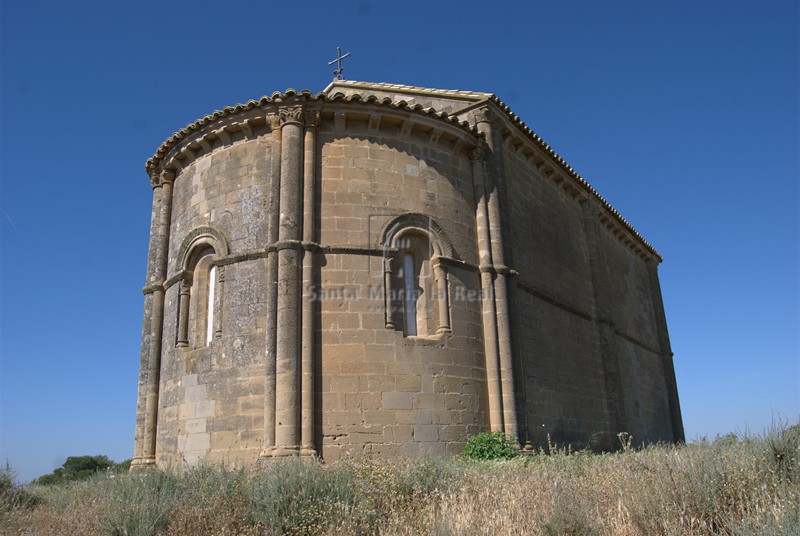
(290, 97)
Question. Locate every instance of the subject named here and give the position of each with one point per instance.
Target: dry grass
(730, 488)
(736, 486)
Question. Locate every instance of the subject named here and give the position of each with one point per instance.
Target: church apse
(381, 270)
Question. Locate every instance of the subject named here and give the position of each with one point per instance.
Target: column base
(284, 451)
(143, 464)
(308, 452)
(293, 451)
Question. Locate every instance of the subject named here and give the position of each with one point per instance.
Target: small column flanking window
(184, 296)
(442, 297)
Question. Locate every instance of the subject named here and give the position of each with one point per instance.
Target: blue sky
(684, 115)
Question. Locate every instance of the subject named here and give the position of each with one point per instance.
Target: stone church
(382, 270)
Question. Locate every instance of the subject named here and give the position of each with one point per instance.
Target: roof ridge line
(406, 87)
(549, 151)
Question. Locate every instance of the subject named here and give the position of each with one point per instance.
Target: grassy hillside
(730, 486)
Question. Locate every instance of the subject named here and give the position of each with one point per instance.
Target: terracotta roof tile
(153, 163)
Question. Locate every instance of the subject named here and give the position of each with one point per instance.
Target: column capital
(274, 121)
(186, 287)
(312, 119)
(482, 115)
(483, 123)
(590, 209)
(159, 179)
(476, 154)
(387, 265)
(291, 115)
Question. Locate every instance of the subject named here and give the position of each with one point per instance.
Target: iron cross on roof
(338, 61)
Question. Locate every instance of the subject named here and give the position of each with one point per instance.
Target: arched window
(201, 286)
(416, 289)
(414, 276)
(196, 327)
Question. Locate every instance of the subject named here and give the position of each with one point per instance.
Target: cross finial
(338, 73)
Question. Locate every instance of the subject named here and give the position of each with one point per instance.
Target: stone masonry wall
(212, 397)
(385, 394)
(557, 342)
(641, 371)
(569, 383)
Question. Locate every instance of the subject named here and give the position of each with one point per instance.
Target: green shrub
(491, 446)
(76, 468)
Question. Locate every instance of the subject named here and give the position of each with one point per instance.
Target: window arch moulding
(416, 286)
(200, 293)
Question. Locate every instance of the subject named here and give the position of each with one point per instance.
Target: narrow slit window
(212, 278)
(410, 295)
